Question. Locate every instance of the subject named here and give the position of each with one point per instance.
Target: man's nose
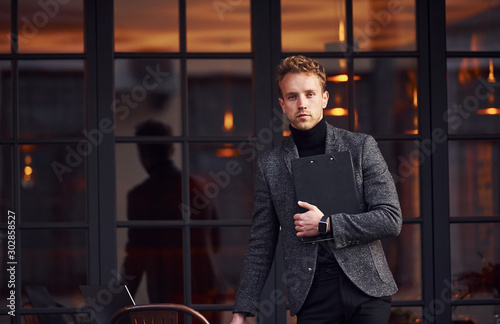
(302, 102)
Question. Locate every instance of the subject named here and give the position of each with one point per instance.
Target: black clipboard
(326, 181)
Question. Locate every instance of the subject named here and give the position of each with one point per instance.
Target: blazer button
(310, 270)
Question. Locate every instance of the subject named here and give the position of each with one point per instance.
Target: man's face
(303, 100)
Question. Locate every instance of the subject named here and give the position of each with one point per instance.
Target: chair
(155, 314)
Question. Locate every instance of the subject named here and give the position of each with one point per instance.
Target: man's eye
(291, 97)
(310, 94)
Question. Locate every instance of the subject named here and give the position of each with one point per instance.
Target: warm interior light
(228, 120)
(28, 170)
(488, 111)
(491, 75)
(415, 100)
(286, 133)
(341, 31)
(337, 112)
(341, 78)
(27, 159)
(227, 152)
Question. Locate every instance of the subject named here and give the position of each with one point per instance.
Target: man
(347, 279)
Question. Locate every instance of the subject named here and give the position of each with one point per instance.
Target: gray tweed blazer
(356, 243)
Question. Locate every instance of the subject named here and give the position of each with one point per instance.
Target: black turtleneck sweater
(312, 142)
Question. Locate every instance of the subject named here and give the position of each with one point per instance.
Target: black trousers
(334, 299)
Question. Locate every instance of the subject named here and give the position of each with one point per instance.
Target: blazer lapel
(290, 152)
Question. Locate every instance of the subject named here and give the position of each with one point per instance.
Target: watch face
(322, 227)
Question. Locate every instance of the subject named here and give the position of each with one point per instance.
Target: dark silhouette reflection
(158, 252)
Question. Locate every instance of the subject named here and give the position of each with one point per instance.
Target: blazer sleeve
(264, 234)
(382, 216)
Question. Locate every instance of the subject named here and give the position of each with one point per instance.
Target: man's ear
(326, 96)
(282, 103)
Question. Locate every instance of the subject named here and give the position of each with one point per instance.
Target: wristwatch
(323, 225)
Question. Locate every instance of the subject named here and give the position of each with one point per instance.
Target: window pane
(146, 25)
(146, 89)
(152, 263)
(212, 250)
(475, 260)
(404, 159)
(336, 112)
(225, 175)
(218, 26)
(474, 178)
(51, 99)
(384, 25)
(472, 25)
(50, 26)
(405, 260)
(148, 184)
(476, 314)
(220, 97)
(386, 96)
(473, 102)
(53, 183)
(54, 266)
(6, 185)
(403, 315)
(5, 20)
(5, 99)
(313, 26)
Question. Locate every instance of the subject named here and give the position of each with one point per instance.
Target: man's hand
(306, 224)
(239, 318)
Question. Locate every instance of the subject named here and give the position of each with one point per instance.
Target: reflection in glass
(53, 183)
(149, 177)
(385, 96)
(152, 263)
(475, 260)
(55, 263)
(220, 97)
(50, 26)
(146, 89)
(5, 17)
(472, 25)
(476, 314)
(405, 261)
(474, 178)
(5, 99)
(473, 99)
(146, 25)
(400, 315)
(218, 26)
(51, 99)
(225, 173)
(336, 112)
(384, 25)
(217, 247)
(313, 26)
(6, 185)
(404, 159)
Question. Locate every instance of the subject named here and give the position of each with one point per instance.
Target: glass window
(6, 185)
(53, 182)
(384, 25)
(386, 97)
(474, 178)
(313, 26)
(54, 266)
(220, 97)
(212, 249)
(476, 314)
(473, 99)
(224, 178)
(146, 26)
(472, 25)
(147, 89)
(51, 99)
(149, 178)
(50, 26)
(5, 21)
(152, 263)
(218, 26)
(475, 260)
(5, 99)
(404, 256)
(337, 112)
(404, 159)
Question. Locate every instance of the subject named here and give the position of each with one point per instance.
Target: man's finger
(305, 205)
